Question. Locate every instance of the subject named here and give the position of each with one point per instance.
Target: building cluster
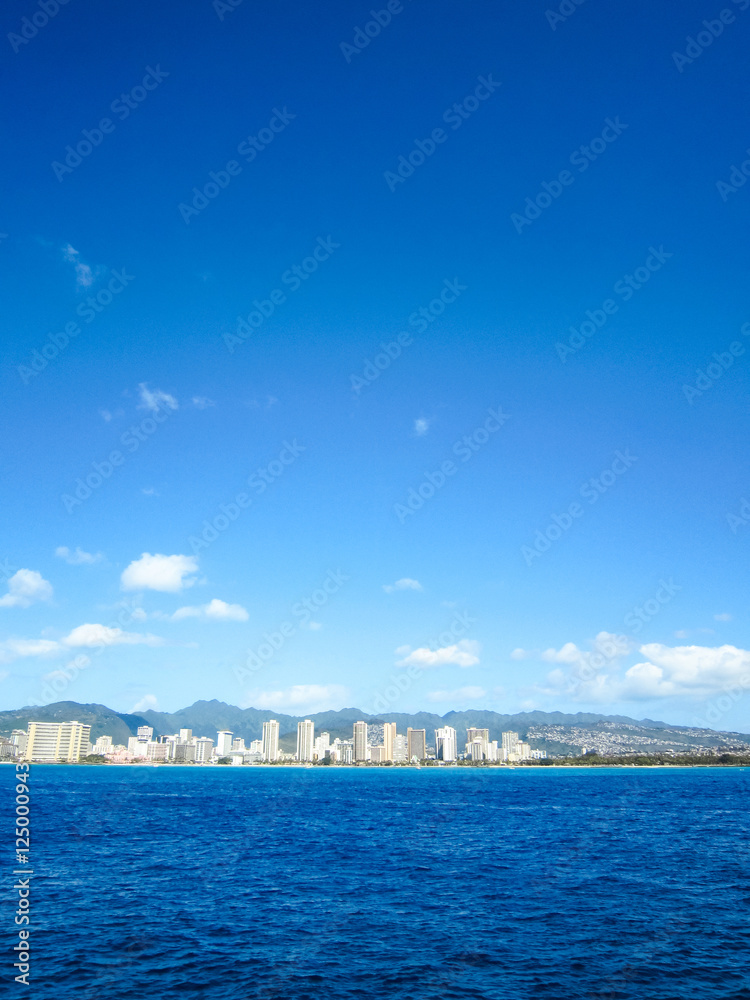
(377, 743)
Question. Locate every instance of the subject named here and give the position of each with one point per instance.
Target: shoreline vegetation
(588, 760)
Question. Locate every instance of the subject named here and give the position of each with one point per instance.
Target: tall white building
(445, 743)
(479, 734)
(322, 745)
(399, 749)
(52, 741)
(510, 742)
(103, 746)
(224, 742)
(186, 735)
(389, 735)
(145, 733)
(360, 741)
(305, 740)
(270, 750)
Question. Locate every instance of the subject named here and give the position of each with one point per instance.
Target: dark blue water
(344, 883)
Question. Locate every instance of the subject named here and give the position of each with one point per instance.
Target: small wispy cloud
(146, 703)
(84, 272)
(421, 426)
(405, 583)
(723, 617)
(78, 557)
(155, 399)
(149, 491)
(215, 610)
(202, 402)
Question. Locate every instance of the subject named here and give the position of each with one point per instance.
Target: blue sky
(490, 592)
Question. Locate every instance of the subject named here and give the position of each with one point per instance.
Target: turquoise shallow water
(249, 883)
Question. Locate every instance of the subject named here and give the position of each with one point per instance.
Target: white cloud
(84, 274)
(13, 649)
(463, 653)
(314, 626)
(300, 699)
(168, 574)
(458, 696)
(202, 402)
(102, 635)
(216, 610)
(155, 399)
(421, 426)
(149, 491)
(666, 672)
(724, 617)
(79, 557)
(148, 701)
(405, 583)
(26, 587)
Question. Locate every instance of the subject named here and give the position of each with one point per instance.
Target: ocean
(281, 882)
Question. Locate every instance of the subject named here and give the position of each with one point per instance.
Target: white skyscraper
(479, 734)
(360, 741)
(399, 749)
(322, 744)
(223, 742)
(270, 740)
(389, 735)
(445, 741)
(305, 740)
(510, 742)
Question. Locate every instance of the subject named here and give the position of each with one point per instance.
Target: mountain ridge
(206, 717)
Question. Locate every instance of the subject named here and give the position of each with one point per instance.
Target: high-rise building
(19, 738)
(377, 755)
(416, 744)
(204, 747)
(322, 745)
(474, 750)
(186, 735)
(344, 752)
(53, 741)
(145, 733)
(137, 747)
(270, 749)
(103, 746)
(238, 743)
(360, 741)
(445, 740)
(510, 742)
(224, 742)
(399, 749)
(305, 740)
(389, 735)
(479, 734)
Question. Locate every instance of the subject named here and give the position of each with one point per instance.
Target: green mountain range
(205, 718)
